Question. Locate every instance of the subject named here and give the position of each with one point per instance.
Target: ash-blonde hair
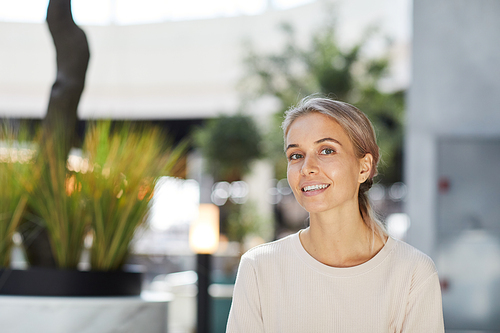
(362, 135)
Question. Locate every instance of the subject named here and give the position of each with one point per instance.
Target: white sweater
(281, 288)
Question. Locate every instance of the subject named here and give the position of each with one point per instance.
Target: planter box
(25, 314)
(59, 282)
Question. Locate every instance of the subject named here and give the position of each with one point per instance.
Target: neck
(340, 239)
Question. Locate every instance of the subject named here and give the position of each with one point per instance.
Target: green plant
(15, 159)
(105, 192)
(243, 221)
(57, 197)
(324, 67)
(126, 164)
(229, 144)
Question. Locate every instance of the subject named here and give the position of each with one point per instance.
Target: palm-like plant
(14, 171)
(107, 197)
(126, 165)
(57, 197)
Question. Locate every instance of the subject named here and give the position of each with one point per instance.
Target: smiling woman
(342, 273)
(352, 149)
(320, 164)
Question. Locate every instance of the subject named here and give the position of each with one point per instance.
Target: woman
(343, 273)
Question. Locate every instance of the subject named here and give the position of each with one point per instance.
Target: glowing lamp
(204, 240)
(204, 232)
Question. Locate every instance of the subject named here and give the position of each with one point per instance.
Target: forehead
(315, 126)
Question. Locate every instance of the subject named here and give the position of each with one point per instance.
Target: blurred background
(214, 77)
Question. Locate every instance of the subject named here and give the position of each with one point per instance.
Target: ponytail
(367, 213)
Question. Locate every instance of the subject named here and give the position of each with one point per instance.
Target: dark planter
(59, 282)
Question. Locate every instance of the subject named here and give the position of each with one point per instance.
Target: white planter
(26, 314)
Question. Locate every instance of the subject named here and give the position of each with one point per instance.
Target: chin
(312, 209)
(315, 207)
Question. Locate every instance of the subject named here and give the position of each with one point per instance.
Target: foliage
(229, 144)
(105, 193)
(15, 159)
(56, 196)
(386, 111)
(126, 164)
(243, 221)
(326, 68)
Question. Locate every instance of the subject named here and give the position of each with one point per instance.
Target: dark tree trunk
(60, 123)
(72, 54)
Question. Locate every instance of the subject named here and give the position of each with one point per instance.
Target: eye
(294, 156)
(327, 151)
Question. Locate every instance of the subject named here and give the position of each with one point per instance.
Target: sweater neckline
(342, 271)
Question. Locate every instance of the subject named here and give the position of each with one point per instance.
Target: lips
(315, 187)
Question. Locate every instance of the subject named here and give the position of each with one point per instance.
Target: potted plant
(126, 164)
(105, 197)
(14, 169)
(56, 197)
(230, 144)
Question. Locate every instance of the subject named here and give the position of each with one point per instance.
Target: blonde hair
(362, 135)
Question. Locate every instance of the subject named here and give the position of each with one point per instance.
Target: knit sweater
(281, 288)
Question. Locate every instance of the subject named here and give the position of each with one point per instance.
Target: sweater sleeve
(245, 314)
(424, 312)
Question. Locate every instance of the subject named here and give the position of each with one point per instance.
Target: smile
(314, 187)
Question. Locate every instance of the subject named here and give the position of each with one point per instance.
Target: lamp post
(204, 241)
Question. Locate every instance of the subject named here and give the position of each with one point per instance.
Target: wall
(452, 154)
(455, 91)
(186, 69)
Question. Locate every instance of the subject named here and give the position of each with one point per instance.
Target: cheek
(293, 178)
(292, 175)
(352, 173)
(341, 171)
(292, 169)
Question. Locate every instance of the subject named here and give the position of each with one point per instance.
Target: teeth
(314, 187)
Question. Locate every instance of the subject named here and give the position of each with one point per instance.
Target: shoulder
(269, 252)
(414, 262)
(405, 252)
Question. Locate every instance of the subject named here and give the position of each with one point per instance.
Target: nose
(310, 166)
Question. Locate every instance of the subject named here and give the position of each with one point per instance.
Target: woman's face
(323, 171)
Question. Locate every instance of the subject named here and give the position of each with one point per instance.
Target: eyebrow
(294, 145)
(328, 139)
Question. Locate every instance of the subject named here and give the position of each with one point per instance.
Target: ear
(365, 167)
